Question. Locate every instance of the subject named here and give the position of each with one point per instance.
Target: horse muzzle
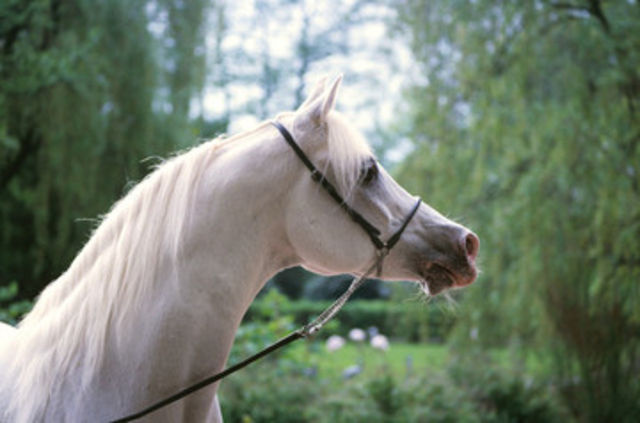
(451, 262)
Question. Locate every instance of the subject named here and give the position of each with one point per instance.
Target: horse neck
(182, 326)
(233, 242)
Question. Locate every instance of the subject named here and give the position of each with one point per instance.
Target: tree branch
(595, 9)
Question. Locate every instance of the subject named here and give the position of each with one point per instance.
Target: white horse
(152, 302)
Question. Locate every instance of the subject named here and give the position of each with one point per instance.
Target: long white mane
(68, 325)
(115, 268)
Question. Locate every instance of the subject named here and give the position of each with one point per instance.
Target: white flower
(334, 342)
(380, 342)
(357, 335)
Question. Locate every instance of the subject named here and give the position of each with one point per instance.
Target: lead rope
(308, 330)
(317, 324)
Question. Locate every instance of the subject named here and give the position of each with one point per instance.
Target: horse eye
(371, 174)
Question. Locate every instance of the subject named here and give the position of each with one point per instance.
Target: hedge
(410, 322)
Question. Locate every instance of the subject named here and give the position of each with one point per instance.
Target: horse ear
(317, 90)
(318, 108)
(330, 98)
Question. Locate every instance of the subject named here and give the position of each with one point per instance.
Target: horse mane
(77, 310)
(348, 150)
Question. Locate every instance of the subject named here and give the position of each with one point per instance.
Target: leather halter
(382, 247)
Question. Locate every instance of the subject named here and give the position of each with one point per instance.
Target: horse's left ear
(319, 108)
(317, 92)
(330, 98)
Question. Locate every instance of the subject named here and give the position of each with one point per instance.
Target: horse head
(433, 250)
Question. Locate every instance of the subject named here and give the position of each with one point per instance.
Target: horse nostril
(471, 245)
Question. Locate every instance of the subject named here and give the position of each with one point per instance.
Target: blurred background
(519, 119)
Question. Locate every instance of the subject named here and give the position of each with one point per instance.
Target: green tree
(87, 89)
(526, 125)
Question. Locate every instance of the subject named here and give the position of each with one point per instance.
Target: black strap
(396, 236)
(317, 176)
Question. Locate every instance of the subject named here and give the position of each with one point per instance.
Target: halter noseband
(382, 247)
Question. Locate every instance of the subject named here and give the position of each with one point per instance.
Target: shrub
(470, 390)
(267, 395)
(270, 324)
(505, 397)
(271, 394)
(465, 392)
(412, 322)
(10, 310)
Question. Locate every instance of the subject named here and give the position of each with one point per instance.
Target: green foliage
(267, 396)
(11, 310)
(295, 385)
(410, 321)
(303, 382)
(528, 128)
(86, 92)
(271, 323)
(466, 392)
(505, 395)
(385, 394)
(382, 398)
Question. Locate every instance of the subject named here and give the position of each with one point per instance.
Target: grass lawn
(399, 359)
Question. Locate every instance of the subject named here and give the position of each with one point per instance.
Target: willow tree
(87, 89)
(526, 123)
